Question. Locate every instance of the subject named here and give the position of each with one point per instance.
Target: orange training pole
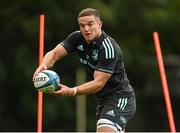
(164, 82)
(41, 54)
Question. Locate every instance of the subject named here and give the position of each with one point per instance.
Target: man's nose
(86, 28)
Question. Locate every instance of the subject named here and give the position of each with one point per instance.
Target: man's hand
(39, 69)
(64, 91)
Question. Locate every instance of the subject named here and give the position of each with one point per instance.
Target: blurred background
(130, 22)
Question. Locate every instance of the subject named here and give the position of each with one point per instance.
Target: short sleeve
(106, 65)
(71, 42)
(107, 57)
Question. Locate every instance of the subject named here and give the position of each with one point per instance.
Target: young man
(103, 60)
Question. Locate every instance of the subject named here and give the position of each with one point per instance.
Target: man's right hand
(39, 69)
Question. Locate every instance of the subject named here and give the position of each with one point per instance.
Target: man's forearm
(52, 56)
(89, 88)
(49, 59)
(100, 79)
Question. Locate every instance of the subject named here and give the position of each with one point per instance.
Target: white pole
(80, 103)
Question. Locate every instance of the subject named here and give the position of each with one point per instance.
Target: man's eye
(81, 25)
(90, 24)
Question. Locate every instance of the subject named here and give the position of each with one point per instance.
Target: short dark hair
(89, 12)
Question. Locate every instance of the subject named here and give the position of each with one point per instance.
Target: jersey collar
(98, 40)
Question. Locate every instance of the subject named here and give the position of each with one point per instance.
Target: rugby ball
(47, 81)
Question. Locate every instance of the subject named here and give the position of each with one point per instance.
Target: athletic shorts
(117, 109)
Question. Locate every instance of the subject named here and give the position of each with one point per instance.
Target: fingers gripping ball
(47, 81)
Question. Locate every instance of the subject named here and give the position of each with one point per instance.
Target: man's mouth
(87, 35)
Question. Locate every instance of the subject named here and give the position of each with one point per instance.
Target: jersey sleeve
(107, 58)
(71, 42)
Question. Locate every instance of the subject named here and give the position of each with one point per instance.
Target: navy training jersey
(103, 54)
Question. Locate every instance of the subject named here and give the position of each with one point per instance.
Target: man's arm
(50, 58)
(100, 79)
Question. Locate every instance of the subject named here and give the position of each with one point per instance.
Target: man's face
(90, 27)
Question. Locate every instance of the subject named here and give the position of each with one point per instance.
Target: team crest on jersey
(95, 55)
(80, 47)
